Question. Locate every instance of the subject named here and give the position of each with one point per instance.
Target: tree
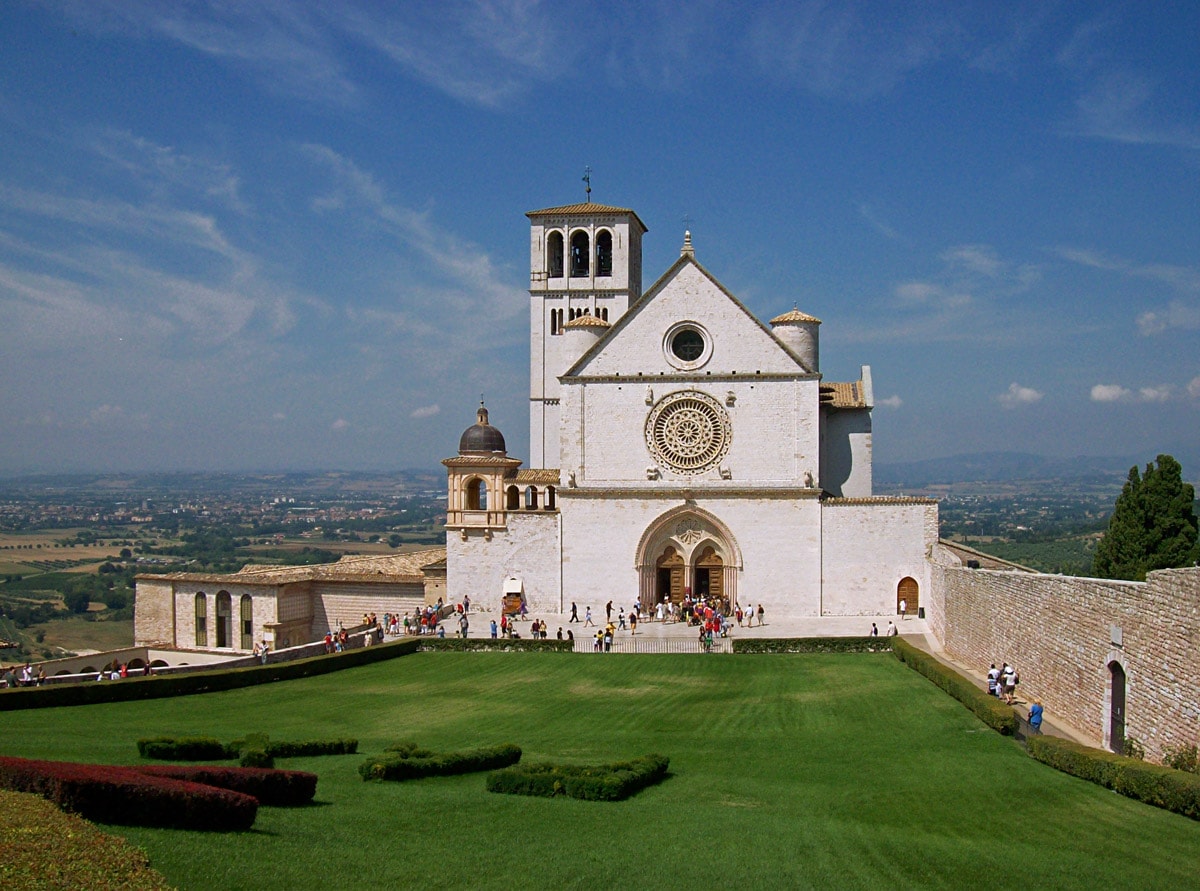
(1153, 524)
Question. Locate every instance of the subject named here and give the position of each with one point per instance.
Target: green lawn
(786, 771)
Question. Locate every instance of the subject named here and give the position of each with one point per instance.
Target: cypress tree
(1153, 524)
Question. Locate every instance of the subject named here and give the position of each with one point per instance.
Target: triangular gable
(687, 292)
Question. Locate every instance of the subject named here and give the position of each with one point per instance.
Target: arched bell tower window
(604, 255)
(580, 254)
(513, 498)
(554, 255)
(476, 494)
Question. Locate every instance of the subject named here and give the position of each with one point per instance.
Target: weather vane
(587, 178)
(687, 221)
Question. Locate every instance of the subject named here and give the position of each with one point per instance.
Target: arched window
(550, 498)
(224, 619)
(554, 255)
(513, 499)
(201, 620)
(560, 320)
(580, 255)
(531, 498)
(604, 254)
(604, 313)
(476, 494)
(553, 321)
(247, 622)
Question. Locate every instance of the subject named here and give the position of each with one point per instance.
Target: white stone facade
(692, 448)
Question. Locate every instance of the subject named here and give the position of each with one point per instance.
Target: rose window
(688, 432)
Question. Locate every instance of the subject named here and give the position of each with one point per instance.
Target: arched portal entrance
(908, 593)
(1116, 710)
(669, 578)
(686, 551)
(709, 575)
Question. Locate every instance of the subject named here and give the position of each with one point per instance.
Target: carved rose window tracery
(688, 432)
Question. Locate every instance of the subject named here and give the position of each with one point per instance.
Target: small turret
(799, 332)
(579, 335)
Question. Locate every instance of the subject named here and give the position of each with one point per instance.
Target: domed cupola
(481, 437)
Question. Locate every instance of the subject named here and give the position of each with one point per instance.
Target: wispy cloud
(889, 402)
(872, 216)
(425, 411)
(1180, 313)
(1016, 396)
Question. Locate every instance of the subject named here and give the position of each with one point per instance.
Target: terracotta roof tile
(794, 315)
(843, 395)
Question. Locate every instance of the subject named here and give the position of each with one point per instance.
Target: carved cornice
(689, 493)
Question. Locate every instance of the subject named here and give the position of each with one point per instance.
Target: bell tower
(584, 260)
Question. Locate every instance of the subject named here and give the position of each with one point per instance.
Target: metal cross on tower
(587, 178)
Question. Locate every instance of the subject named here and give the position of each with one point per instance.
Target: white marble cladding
(528, 549)
(869, 547)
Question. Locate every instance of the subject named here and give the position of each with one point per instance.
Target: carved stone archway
(703, 546)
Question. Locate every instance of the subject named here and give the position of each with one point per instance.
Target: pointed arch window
(554, 255)
(604, 254)
(580, 255)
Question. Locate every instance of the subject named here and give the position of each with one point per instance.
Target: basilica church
(679, 446)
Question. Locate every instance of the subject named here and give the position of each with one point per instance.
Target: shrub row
(989, 709)
(596, 782)
(1165, 787)
(124, 795)
(274, 788)
(500, 644)
(46, 848)
(409, 763)
(185, 748)
(254, 747)
(813, 645)
(207, 681)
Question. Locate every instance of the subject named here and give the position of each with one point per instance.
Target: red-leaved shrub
(274, 788)
(123, 795)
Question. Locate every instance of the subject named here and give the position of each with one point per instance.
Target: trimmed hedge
(185, 748)
(997, 715)
(208, 681)
(1165, 787)
(310, 748)
(45, 848)
(812, 645)
(500, 644)
(590, 782)
(407, 762)
(274, 788)
(125, 796)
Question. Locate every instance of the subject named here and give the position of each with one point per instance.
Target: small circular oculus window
(687, 346)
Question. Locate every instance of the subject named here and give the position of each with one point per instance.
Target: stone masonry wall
(1062, 632)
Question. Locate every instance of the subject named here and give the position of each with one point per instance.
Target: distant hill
(1000, 467)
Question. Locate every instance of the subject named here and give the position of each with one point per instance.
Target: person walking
(587, 617)
(574, 612)
(1035, 716)
(903, 610)
(874, 630)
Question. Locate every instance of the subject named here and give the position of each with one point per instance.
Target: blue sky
(244, 236)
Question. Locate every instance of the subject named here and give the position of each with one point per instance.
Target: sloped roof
(585, 209)
(404, 567)
(545, 476)
(794, 315)
(587, 321)
(843, 395)
(687, 258)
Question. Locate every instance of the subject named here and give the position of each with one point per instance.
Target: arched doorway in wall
(910, 592)
(669, 576)
(224, 619)
(1116, 707)
(709, 575)
(696, 547)
(201, 619)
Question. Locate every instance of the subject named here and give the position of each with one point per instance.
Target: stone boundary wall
(1062, 632)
